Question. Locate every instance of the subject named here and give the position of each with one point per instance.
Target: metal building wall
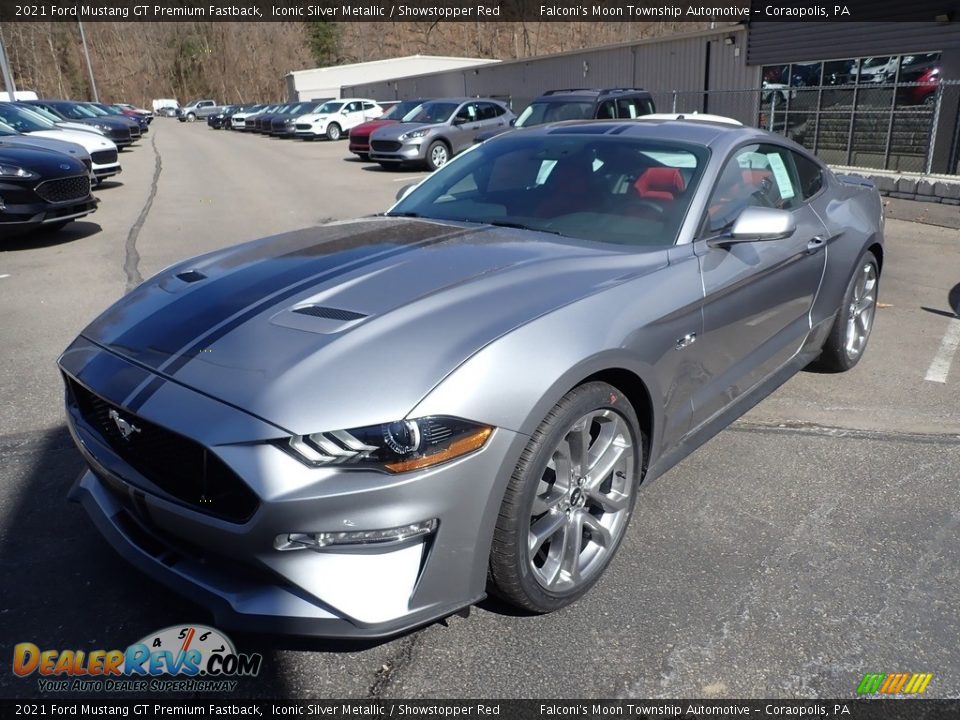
(660, 65)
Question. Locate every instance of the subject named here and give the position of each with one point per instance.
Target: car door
(466, 126)
(757, 295)
(352, 114)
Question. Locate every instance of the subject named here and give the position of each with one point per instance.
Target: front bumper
(20, 216)
(233, 569)
(412, 152)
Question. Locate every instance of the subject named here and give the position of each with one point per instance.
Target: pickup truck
(197, 109)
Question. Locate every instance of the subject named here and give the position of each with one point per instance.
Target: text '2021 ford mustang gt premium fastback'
(358, 428)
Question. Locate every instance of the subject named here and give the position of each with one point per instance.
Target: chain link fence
(906, 127)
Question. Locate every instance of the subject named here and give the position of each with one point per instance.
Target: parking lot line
(940, 367)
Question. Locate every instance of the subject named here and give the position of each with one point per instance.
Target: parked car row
(420, 132)
(53, 153)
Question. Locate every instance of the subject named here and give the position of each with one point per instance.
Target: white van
(19, 95)
(165, 102)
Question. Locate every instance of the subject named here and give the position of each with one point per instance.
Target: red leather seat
(660, 183)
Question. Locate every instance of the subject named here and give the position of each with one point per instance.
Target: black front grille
(329, 313)
(359, 139)
(385, 145)
(104, 157)
(182, 468)
(64, 189)
(119, 134)
(134, 131)
(304, 126)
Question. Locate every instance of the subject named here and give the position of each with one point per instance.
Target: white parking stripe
(940, 367)
(5, 275)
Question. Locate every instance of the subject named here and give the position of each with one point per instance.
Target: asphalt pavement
(812, 542)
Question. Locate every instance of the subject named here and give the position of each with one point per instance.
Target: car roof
(560, 95)
(690, 131)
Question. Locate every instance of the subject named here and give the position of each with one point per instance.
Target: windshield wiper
(519, 226)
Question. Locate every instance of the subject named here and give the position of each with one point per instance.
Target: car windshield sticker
(781, 175)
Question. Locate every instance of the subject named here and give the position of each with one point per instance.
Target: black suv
(582, 104)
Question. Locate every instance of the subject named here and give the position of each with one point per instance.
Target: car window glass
(756, 176)
(630, 108)
(368, 106)
(809, 176)
(607, 110)
(608, 189)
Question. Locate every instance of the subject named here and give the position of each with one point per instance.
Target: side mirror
(513, 121)
(757, 224)
(405, 190)
(459, 120)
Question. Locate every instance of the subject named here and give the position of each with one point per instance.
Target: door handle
(816, 244)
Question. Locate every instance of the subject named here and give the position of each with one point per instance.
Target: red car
(360, 135)
(925, 90)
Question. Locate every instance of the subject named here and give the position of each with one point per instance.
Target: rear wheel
(569, 501)
(851, 330)
(333, 131)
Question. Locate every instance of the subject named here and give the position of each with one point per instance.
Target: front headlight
(414, 134)
(392, 447)
(16, 172)
(104, 128)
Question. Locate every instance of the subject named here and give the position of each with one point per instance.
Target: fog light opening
(321, 541)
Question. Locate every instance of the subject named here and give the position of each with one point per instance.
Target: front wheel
(333, 131)
(851, 330)
(437, 155)
(191, 117)
(569, 501)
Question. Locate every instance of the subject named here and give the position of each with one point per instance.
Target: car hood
(79, 127)
(89, 141)
(313, 117)
(371, 125)
(393, 132)
(49, 164)
(32, 141)
(352, 323)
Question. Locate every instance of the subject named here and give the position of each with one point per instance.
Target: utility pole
(86, 54)
(7, 75)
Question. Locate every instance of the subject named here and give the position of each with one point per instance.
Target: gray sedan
(437, 131)
(356, 429)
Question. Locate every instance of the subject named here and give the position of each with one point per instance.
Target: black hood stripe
(339, 264)
(169, 331)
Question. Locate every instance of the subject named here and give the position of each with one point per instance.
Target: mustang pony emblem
(126, 428)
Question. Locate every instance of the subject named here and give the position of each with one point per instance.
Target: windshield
(46, 114)
(6, 130)
(24, 120)
(109, 110)
(432, 113)
(539, 113)
(330, 107)
(97, 112)
(401, 109)
(613, 189)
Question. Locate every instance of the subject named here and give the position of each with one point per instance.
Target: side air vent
(191, 276)
(329, 313)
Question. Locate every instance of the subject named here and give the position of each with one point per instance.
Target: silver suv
(436, 131)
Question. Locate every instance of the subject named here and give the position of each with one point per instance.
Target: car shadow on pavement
(47, 238)
(953, 301)
(65, 587)
(108, 185)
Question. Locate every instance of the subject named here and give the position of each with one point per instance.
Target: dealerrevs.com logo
(185, 658)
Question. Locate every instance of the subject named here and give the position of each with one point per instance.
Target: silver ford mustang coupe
(355, 429)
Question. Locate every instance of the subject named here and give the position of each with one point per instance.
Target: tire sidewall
(595, 396)
(841, 335)
(334, 132)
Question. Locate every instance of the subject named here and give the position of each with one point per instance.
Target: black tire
(836, 356)
(334, 132)
(511, 569)
(434, 154)
(191, 117)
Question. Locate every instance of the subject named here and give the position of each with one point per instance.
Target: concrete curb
(943, 189)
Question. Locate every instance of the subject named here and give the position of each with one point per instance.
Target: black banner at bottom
(906, 708)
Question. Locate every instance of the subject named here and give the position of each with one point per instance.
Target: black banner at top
(742, 11)
(815, 709)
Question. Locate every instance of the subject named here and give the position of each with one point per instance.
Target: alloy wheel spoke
(598, 532)
(570, 553)
(578, 441)
(544, 529)
(607, 462)
(611, 502)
